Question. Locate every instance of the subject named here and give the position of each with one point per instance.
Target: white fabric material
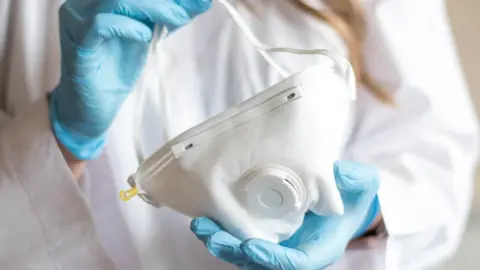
(426, 147)
(37, 232)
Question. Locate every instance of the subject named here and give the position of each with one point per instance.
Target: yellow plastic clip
(127, 195)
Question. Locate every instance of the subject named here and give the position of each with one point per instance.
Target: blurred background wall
(465, 20)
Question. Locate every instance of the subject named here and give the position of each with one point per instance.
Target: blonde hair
(348, 19)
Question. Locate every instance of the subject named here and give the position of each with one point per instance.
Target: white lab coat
(425, 148)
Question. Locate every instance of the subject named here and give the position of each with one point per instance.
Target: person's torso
(202, 69)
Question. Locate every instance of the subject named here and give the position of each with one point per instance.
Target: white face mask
(258, 167)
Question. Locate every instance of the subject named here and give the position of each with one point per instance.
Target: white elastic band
(341, 64)
(261, 47)
(159, 34)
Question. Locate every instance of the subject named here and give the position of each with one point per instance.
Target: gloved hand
(104, 49)
(319, 242)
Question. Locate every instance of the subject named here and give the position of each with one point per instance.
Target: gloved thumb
(358, 185)
(353, 177)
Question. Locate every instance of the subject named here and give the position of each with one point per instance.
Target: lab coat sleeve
(426, 146)
(45, 221)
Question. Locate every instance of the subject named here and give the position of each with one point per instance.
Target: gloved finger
(226, 247)
(324, 253)
(218, 242)
(204, 227)
(194, 7)
(108, 26)
(149, 12)
(252, 266)
(353, 177)
(273, 256)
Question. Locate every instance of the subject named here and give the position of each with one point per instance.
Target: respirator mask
(258, 167)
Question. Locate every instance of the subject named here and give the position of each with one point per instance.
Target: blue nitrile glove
(320, 241)
(104, 49)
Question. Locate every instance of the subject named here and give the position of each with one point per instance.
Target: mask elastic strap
(261, 47)
(159, 34)
(341, 64)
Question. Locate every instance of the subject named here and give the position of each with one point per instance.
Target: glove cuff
(80, 146)
(372, 214)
